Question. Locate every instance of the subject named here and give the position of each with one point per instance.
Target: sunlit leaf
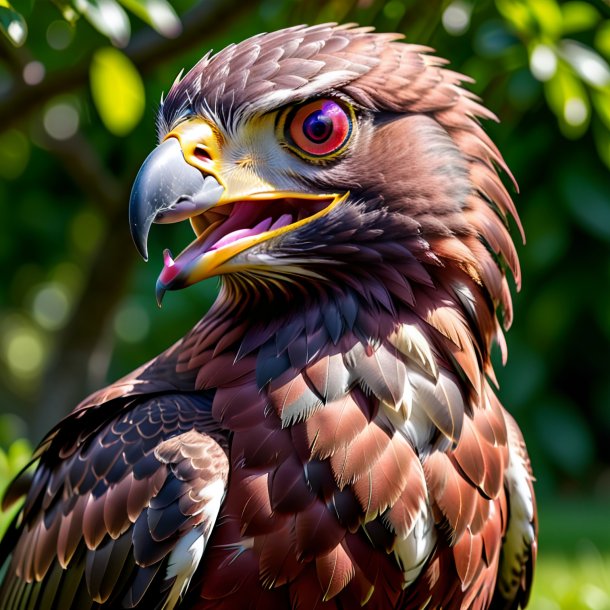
(517, 14)
(11, 463)
(589, 65)
(578, 17)
(117, 90)
(543, 61)
(19, 454)
(568, 99)
(107, 17)
(67, 11)
(159, 14)
(602, 38)
(575, 581)
(548, 16)
(13, 24)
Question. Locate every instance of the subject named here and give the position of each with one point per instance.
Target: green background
(80, 83)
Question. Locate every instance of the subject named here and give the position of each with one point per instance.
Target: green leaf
(587, 63)
(117, 90)
(567, 98)
(548, 15)
(19, 454)
(107, 17)
(602, 38)
(67, 11)
(517, 14)
(12, 24)
(601, 103)
(159, 14)
(578, 17)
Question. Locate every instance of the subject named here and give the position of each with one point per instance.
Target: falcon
(327, 436)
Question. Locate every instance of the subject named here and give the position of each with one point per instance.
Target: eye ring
(319, 129)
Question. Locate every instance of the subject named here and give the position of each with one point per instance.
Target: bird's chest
(325, 479)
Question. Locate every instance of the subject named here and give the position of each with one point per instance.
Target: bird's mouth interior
(233, 221)
(247, 222)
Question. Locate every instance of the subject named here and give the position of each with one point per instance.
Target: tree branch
(147, 50)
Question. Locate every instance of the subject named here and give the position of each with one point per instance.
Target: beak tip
(160, 290)
(143, 251)
(139, 233)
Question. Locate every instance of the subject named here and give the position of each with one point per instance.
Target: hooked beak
(183, 179)
(167, 189)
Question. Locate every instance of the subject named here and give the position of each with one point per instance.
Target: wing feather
(113, 496)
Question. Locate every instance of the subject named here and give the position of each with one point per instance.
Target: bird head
(327, 156)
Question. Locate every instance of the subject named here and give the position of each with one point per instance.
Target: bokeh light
(131, 323)
(575, 111)
(33, 73)
(23, 348)
(50, 306)
(59, 34)
(61, 120)
(394, 10)
(456, 18)
(543, 62)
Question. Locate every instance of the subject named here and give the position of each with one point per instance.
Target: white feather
(186, 555)
(520, 533)
(413, 551)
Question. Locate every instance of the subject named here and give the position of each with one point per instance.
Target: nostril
(202, 154)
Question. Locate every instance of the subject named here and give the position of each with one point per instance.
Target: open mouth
(235, 226)
(233, 221)
(228, 219)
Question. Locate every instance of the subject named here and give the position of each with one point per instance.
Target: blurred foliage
(573, 571)
(79, 84)
(16, 456)
(568, 583)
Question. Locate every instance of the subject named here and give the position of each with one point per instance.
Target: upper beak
(168, 189)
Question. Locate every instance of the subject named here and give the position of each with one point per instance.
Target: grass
(580, 582)
(573, 570)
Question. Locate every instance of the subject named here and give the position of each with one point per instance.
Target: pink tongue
(170, 269)
(229, 238)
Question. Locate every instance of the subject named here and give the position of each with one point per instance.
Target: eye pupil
(318, 126)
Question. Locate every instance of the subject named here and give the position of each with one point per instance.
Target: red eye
(320, 128)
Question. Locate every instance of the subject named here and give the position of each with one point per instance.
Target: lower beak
(168, 189)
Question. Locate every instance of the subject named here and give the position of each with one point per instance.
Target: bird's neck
(288, 332)
(268, 334)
